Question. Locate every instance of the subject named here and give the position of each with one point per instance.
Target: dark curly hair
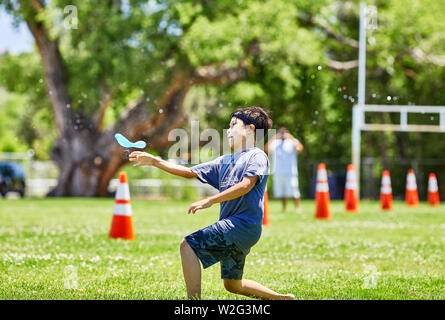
(254, 115)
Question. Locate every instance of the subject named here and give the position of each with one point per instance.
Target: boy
(241, 179)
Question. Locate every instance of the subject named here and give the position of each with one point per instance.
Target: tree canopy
(296, 58)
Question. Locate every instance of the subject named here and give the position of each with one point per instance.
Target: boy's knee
(233, 286)
(184, 245)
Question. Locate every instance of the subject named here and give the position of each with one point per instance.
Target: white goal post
(359, 124)
(368, 21)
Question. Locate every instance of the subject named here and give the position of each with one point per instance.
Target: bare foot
(288, 296)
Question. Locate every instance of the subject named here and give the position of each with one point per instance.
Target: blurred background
(73, 73)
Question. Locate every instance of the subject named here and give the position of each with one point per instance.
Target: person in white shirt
(284, 149)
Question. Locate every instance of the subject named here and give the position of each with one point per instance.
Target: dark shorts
(211, 247)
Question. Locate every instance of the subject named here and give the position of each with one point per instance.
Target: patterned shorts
(211, 247)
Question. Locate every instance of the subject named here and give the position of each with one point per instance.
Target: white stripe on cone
(322, 181)
(322, 175)
(122, 209)
(351, 182)
(351, 185)
(123, 192)
(386, 185)
(432, 185)
(322, 187)
(411, 182)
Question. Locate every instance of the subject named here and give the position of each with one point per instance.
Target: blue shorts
(211, 246)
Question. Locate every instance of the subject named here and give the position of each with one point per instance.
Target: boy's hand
(198, 205)
(144, 158)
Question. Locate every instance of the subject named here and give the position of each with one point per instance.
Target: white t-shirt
(284, 157)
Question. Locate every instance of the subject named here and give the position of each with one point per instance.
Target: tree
(84, 152)
(130, 65)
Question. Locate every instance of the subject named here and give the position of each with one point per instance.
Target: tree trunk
(87, 157)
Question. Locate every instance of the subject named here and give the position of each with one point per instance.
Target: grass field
(47, 244)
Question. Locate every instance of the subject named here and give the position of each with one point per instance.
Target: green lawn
(369, 255)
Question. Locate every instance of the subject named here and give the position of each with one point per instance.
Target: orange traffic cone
(411, 195)
(351, 195)
(322, 194)
(122, 224)
(266, 209)
(433, 190)
(386, 191)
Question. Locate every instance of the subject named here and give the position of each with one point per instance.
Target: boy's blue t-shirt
(240, 219)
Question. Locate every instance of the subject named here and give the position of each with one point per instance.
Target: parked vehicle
(12, 178)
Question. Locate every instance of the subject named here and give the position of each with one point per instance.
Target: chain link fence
(41, 177)
(370, 177)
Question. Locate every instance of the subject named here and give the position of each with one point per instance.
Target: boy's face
(239, 133)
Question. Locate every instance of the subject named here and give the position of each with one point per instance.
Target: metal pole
(357, 116)
(357, 111)
(362, 56)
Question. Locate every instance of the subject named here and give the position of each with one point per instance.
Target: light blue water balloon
(128, 144)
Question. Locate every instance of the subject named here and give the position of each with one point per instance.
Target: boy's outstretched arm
(235, 191)
(146, 159)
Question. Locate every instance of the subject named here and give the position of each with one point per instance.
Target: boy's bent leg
(253, 289)
(191, 269)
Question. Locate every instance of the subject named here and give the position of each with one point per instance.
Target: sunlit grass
(48, 245)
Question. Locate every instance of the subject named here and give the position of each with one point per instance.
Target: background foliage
(129, 48)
